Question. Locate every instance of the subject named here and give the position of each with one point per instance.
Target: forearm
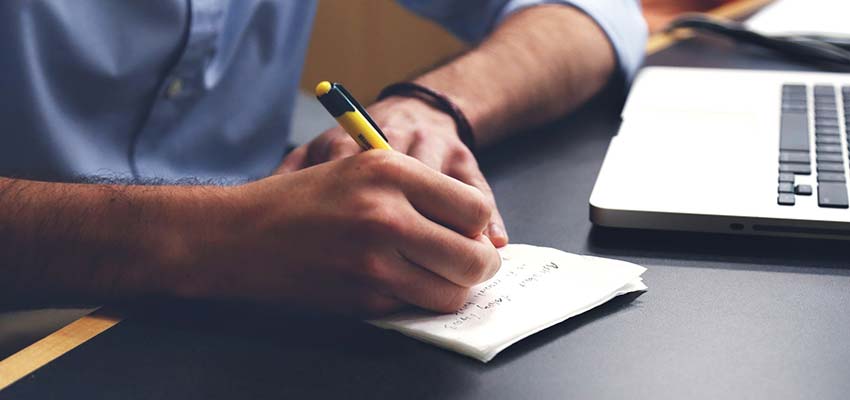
(539, 64)
(86, 242)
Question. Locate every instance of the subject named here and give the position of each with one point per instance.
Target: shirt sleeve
(472, 20)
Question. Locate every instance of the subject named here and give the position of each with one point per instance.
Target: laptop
(730, 151)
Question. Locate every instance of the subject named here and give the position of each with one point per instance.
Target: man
(154, 103)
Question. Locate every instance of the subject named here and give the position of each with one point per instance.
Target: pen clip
(359, 108)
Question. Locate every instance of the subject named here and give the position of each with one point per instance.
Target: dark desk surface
(725, 317)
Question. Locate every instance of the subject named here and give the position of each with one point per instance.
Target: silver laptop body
(729, 151)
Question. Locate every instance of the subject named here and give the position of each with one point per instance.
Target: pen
(351, 116)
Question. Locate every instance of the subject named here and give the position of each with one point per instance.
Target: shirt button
(174, 88)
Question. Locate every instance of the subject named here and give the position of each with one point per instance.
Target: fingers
(465, 169)
(463, 261)
(336, 144)
(295, 160)
(447, 200)
(416, 285)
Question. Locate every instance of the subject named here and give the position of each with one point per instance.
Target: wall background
(367, 44)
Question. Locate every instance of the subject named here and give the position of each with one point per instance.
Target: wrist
(438, 102)
(398, 113)
(195, 224)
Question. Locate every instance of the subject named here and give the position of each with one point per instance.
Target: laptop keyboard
(829, 103)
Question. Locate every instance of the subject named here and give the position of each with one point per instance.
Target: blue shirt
(188, 88)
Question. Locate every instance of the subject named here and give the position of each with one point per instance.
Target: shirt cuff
(621, 20)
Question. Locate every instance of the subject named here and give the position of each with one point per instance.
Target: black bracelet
(436, 100)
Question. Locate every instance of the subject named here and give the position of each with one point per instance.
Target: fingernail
(497, 234)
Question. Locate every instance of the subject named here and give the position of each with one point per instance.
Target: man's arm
(362, 235)
(91, 242)
(538, 64)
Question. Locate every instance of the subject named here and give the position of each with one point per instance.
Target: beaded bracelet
(436, 100)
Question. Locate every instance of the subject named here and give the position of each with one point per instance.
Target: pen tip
(323, 88)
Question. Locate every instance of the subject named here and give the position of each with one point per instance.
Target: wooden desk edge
(28, 360)
(38, 354)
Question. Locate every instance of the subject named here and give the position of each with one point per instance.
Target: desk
(725, 317)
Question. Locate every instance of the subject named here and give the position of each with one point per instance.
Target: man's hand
(416, 129)
(366, 234)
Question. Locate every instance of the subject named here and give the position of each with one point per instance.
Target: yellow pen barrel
(362, 131)
(351, 116)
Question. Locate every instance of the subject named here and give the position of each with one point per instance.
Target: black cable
(807, 48)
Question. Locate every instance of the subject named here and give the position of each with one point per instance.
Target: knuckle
(363, 202)
(418, 135)
(475, 270)
(338, 141)
(494, 263)
(480, 207)
(382, 221)
(372, 269)
(461, 154)
(383, 165)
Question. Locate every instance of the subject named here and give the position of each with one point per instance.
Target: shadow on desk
(731, 251)
(178, 348)
(540, 339)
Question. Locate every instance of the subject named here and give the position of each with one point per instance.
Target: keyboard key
(826, 121)
(785, 199)
(832, 195)
(793, 90)
(786, 188)
(803, 190)
(794, 132)
(830, 167)
(829, 157)
(795, 100)
(800, 169)
(796, 157)
(831, 177)
(828, 139)
(828, 132)
(824, 89)
(794, 110)
(829, 148)
(826, 125)
(786, 177)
